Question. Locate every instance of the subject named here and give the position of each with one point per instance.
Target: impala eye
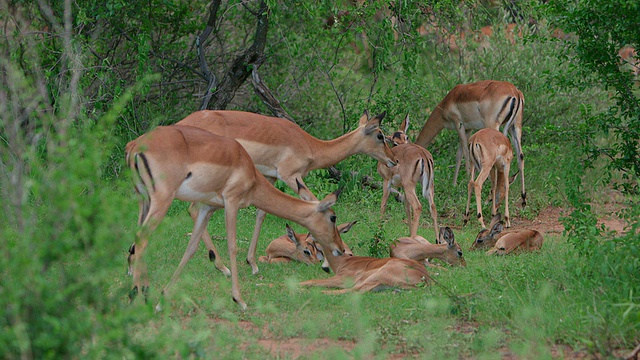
(333, 218)
(380, 136)
(460, 253)
(479, 241)
(307, 252)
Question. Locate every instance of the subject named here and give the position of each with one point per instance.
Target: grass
(523, 304)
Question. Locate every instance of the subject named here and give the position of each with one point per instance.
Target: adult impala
(491, 155)
(214, 172)
(415, 166)
(280, 149)
(484, 104)
(503, 243)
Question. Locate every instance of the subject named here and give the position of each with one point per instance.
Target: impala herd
(231, 159)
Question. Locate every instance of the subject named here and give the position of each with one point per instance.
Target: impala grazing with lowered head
(213, 172)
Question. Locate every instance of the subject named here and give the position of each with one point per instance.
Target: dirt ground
(546, 223)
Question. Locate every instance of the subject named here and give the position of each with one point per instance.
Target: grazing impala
(281, 150)
(298, 247)
(190, 164)
(415, 165)
(491, 154)
(505, 243)
(474, 106)
(419, 249)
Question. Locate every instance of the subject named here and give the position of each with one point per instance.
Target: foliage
(76, 89)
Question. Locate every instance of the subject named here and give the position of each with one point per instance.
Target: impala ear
(344, 228)
(327, 202)
(497, 228)
(405, 124)
(291, 235)
(364, 118)
(300, 185)
(446, 236)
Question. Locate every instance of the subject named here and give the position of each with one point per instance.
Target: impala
(491, 154)
(371, 274)
(280, 149)
(502, 243)
(298, 247)
(419, 249)
(415, 165)
(474, 106)
(190, 164)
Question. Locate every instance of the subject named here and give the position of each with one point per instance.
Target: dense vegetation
(80, 79)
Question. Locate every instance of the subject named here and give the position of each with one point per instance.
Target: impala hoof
(240, 303)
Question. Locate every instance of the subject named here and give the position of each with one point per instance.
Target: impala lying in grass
(419, 249)
(502, 243)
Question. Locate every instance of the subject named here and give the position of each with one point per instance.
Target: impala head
(373, 142)
(487, 237)
(400, 137)
(454, 254)
(322, 225)
(306, 250)
(342, 229)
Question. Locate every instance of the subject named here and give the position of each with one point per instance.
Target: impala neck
(330, 152)
(266, 197)
(436, 251)
(431, 128)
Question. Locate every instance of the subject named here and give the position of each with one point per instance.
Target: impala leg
(386, 188)
(458, 162)
(505, 176)
(463, 134)
(484, 174)
(413, 208)
(470, 188)
(231, 217)
(157, 209)
(430, 195)
(332, 282)
(213, 253)
(251, 254)
(495, 182)
(200, 223)
(516, 135)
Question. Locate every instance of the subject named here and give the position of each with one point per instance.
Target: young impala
(281, 150)
(415, 166)
(474, 106)
(371, 274)
(491, 154)
(190, 164)
(419, 249)
(502, 243)
(298, 247)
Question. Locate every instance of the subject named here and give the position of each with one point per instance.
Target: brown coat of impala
(281, 150)
(213, 172)
(419, 249)
(502, 243)
(298, 247)
(484, 104)
(491, 155)
(415, 166)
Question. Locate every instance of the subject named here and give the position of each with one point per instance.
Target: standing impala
(190, 164)
(484, 104)
(415, 165)
(280, 149)
(491, 154)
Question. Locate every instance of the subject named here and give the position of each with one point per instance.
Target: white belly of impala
(186, 193)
